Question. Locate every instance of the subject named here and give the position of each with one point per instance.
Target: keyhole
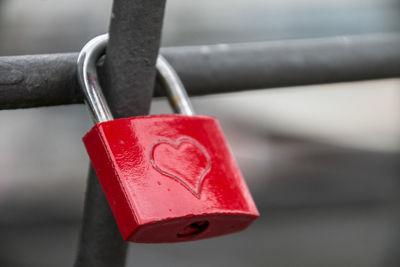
(193, 229)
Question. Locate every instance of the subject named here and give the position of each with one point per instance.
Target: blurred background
(321, 161)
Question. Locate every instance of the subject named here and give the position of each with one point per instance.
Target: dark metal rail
(129, 74)
(43, 80)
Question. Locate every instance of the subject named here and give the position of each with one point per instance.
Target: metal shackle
(94, 97)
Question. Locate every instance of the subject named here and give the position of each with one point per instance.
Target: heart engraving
(185, 161)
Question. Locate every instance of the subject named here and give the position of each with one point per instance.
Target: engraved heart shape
(185, 161)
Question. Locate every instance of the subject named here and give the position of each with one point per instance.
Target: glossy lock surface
(170, 178)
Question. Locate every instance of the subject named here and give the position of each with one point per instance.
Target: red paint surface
(163, 173)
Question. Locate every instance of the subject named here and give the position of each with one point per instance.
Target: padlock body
(169, 178)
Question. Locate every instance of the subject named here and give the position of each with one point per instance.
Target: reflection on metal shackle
(94, 97)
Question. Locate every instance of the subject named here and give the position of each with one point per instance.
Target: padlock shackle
(94, 97)
(88, 79)
(177, 96)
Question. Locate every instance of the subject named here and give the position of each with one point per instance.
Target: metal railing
(44, 80)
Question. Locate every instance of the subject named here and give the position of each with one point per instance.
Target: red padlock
(167, 178)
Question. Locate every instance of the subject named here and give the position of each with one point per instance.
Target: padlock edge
(150, 117)
(247, 218)
(106, 183)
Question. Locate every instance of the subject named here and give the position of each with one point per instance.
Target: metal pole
(43, 80)
(128, 83)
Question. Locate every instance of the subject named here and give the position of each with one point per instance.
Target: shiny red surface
(170, 178)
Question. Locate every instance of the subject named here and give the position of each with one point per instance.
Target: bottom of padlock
(191, 228)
